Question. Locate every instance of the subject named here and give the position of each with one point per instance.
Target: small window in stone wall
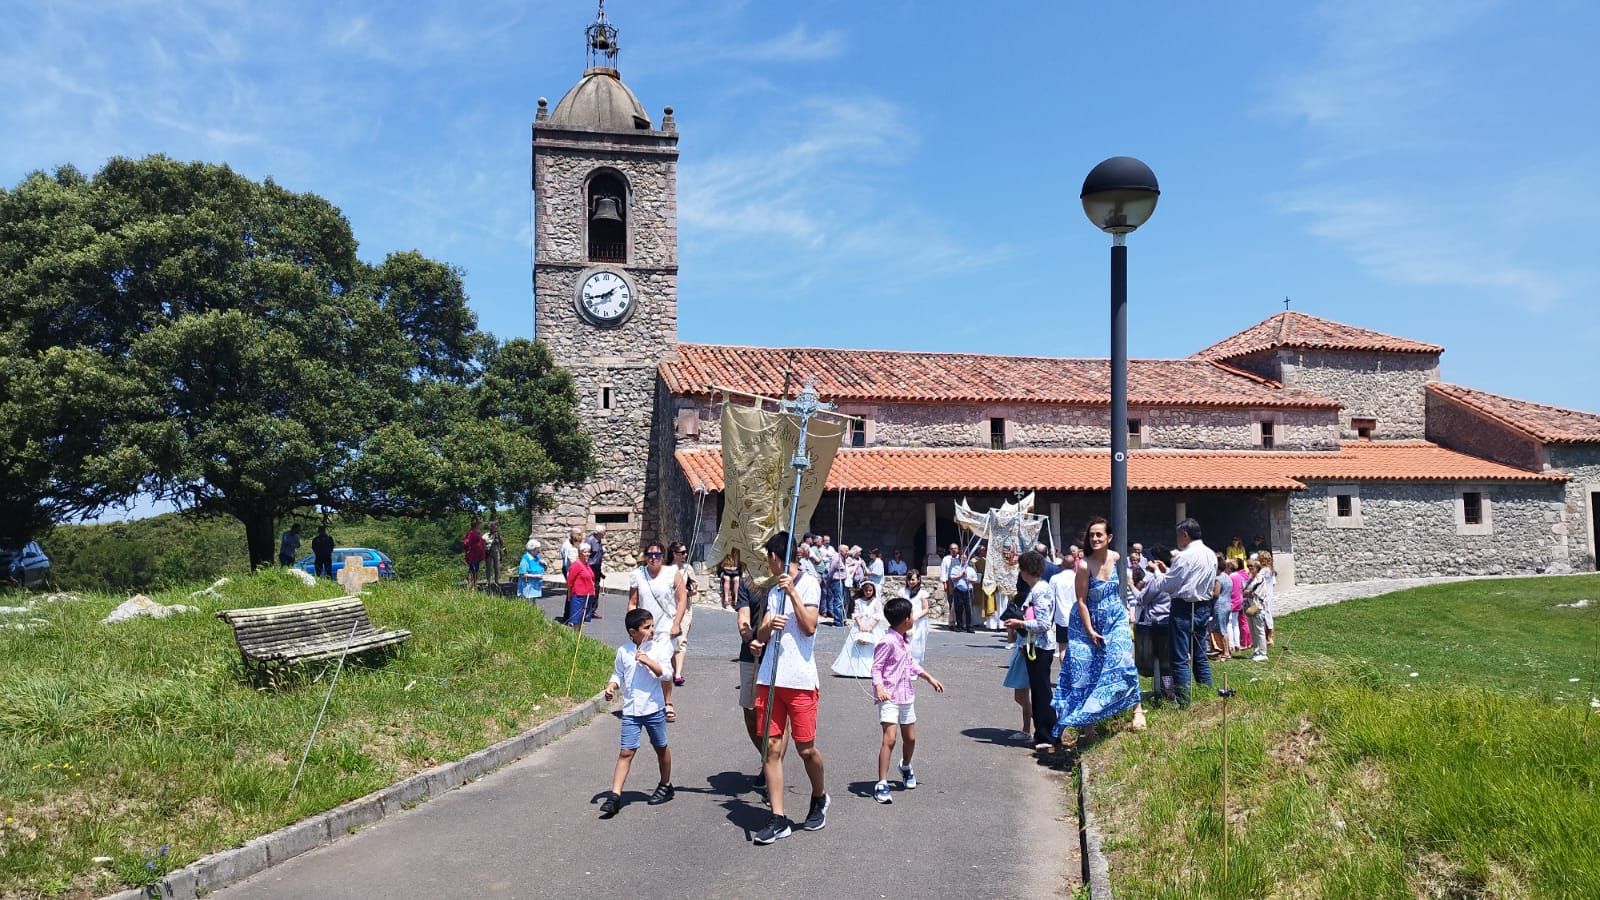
(1269, 434)
(1364, 428)
(612, 518)
(1474, 511)
(1135, 434)
(607, 399)
(1344, 506)
(997, 434)
(858, 432)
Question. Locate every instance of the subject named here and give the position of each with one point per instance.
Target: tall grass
(117, 740)
(1351, 778)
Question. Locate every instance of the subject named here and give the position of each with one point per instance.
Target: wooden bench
(304, 632)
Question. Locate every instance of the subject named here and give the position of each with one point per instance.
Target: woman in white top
(867, 628)
(875, 569)
(918, 595)
(656, 587)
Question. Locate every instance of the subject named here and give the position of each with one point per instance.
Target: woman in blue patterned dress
(1098, 678)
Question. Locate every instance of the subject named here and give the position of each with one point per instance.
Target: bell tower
(605, 284)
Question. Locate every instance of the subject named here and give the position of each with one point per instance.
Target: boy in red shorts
(789, 639)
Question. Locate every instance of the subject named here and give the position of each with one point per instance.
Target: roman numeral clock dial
(605, 297)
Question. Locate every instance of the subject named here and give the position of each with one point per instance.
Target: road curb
(217, 871)
(1097, 871)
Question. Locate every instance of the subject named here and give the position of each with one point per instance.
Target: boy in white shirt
(787, 687)
(642, 665)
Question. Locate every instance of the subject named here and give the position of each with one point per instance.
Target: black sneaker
(610, 805)
(776, 830)
(664, 792)
(817, 819)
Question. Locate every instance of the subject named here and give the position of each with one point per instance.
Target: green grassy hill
(119, 740)
(1436, 742)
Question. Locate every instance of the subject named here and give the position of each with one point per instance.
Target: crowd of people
(1185, 607)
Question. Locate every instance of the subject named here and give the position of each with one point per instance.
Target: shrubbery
(180, 548)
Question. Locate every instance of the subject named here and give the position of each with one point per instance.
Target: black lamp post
(1118, 196)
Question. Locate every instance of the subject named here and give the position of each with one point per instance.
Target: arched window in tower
(608, 218)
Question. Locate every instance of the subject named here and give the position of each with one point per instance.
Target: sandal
(672, 714)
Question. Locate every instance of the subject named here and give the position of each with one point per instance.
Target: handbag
(1253, 608)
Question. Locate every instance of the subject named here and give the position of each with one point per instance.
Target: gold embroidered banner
(758, 480)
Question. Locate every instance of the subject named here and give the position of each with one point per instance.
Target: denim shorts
(655, 723)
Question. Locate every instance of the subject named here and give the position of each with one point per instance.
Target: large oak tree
(180, 330)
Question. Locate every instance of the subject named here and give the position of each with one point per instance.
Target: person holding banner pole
(788, 689)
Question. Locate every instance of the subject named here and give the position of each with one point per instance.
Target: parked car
(376, 559)
(28, 567)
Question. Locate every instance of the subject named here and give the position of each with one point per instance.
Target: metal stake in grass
(1226, 694)
(323, 711)
(573, 669)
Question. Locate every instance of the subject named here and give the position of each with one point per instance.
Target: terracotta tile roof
(1403, 461)
(1296, 329)
(1548, 424)
(908, 376)
(909, 469)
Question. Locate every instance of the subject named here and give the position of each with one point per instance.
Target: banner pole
(806, 406)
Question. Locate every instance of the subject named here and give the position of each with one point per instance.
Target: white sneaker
(880, 793)
(908, 777)
(1258, 657)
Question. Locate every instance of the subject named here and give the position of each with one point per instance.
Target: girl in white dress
(867, 628)
(918, 595)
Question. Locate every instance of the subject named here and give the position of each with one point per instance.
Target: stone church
(1338, 446)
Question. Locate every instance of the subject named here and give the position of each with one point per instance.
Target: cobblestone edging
(211, 873)
(1097, 871)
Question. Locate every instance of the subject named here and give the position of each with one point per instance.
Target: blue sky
(905, 175)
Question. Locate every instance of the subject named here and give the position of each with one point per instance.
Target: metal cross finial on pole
(806, 405)
(1285, 304)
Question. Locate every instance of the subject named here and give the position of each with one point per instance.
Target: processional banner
(758, 447)
(1011, 528)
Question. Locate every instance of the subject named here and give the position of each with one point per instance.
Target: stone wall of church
(1388, 387)
(1410, 530)
(1064, 427)
(1450, 425)
(622, 447)
(623, 358)
(1581, 464)
(560, 175)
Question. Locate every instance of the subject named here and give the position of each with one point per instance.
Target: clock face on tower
(605, 297)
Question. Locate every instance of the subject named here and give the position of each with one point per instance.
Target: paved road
(973, 828)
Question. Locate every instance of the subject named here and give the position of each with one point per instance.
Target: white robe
(855, 657)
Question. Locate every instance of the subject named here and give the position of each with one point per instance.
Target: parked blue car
(376, 559)
(27, 568)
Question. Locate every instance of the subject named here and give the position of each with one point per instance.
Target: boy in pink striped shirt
(894, 675)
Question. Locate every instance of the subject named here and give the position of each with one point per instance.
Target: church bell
(605, 209)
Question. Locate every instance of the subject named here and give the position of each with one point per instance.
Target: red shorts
(792, 708)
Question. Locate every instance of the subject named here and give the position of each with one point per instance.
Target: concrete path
(975, 827)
